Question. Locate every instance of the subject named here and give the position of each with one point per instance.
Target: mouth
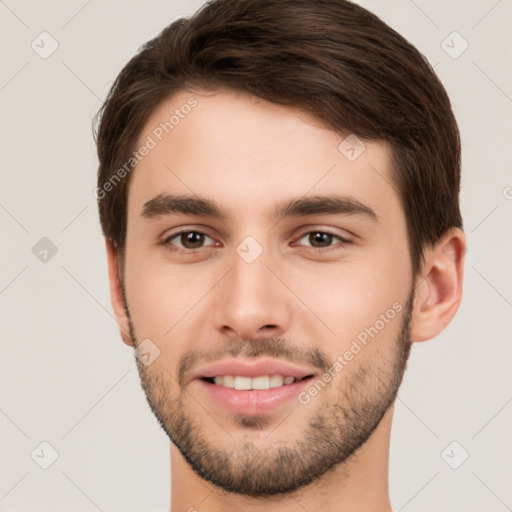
(252, 396)
(260, 383)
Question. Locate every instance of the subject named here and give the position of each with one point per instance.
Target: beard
(332, 435)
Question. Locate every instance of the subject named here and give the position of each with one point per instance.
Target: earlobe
(439, 292)
(116, 293)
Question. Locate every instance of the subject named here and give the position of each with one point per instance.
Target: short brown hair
(330, 58)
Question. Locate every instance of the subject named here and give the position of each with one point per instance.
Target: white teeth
(243, 383)
(276, 381)
(227, 380)
(262, 382)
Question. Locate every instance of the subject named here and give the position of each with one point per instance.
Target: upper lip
(252, 368)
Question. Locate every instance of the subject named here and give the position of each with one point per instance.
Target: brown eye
(192, 239)
(188, 239)
(318, 239)
(321, 239)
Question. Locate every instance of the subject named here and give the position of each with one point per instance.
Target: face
(308, 267)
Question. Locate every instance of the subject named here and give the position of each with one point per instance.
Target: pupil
(321, 238)
(192, 238)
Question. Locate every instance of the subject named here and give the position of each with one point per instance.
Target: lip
(253, 402)
(251, 368)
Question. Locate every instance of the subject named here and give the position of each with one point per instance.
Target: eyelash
(184, 251)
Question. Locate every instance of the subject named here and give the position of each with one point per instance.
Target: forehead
(248, 155)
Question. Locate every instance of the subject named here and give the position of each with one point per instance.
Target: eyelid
(342, 240)
(197, 228)
(170, 236)
(345, 235)
(308, 229)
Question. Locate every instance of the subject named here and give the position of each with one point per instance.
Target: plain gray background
(66, 377)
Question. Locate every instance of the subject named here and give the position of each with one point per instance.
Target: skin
(295, 302)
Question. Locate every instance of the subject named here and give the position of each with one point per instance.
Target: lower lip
(254, 401)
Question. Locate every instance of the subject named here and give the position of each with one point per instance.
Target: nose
(252, 301)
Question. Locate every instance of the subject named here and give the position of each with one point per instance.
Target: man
(278, 189)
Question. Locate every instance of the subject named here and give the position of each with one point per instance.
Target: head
(281, 120)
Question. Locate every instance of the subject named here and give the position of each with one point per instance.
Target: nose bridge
(251, 297)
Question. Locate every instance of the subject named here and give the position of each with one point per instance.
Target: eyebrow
(168, 204)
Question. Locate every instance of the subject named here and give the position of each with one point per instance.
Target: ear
(116, 294)
(439, 291)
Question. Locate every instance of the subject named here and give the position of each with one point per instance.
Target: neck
(359, 484)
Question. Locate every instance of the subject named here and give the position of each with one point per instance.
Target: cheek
(165, 298)
(351, 296)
